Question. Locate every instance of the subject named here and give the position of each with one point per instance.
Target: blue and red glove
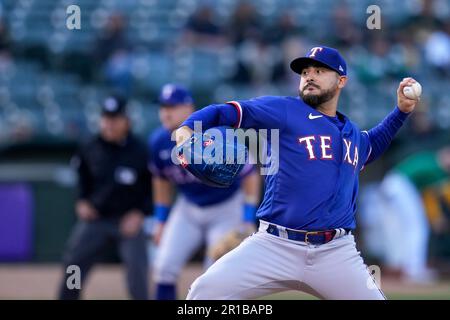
(212, 158)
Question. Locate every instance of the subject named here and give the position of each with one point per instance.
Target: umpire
(115, 193)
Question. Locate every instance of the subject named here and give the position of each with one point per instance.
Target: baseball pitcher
(307, 216)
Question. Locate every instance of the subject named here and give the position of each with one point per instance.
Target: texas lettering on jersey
(310, 142)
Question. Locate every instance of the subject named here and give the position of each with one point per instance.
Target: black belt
(310, 237)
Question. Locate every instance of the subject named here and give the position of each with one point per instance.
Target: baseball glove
(213, 158)
(228, 243)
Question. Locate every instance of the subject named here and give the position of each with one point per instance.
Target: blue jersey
(161, 165)
(316, 184)
(320, 157)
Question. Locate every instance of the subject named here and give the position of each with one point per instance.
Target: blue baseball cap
(172, 94)
(328, 57)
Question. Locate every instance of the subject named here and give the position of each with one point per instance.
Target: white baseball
(413, 91)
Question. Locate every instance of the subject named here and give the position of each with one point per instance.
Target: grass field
(18, 281)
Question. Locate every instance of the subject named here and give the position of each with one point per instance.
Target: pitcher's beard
(315, 100)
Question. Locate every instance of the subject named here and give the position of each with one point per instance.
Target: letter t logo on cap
(314, 50)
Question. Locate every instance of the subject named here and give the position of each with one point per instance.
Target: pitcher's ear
(342, 81)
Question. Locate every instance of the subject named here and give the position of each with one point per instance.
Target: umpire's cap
(328, 57)
(173, 94)
(114, 105)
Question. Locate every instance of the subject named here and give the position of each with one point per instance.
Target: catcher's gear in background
(213, 157)
(230, 241)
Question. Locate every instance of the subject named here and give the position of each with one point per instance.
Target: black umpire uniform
(114, 185)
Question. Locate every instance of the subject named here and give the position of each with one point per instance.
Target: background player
(399, 206)
(308, 212)
(200, 213)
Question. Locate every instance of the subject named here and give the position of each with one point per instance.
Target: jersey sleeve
(155, 164)
(260, 113)
(366, 148)
(380, 136)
